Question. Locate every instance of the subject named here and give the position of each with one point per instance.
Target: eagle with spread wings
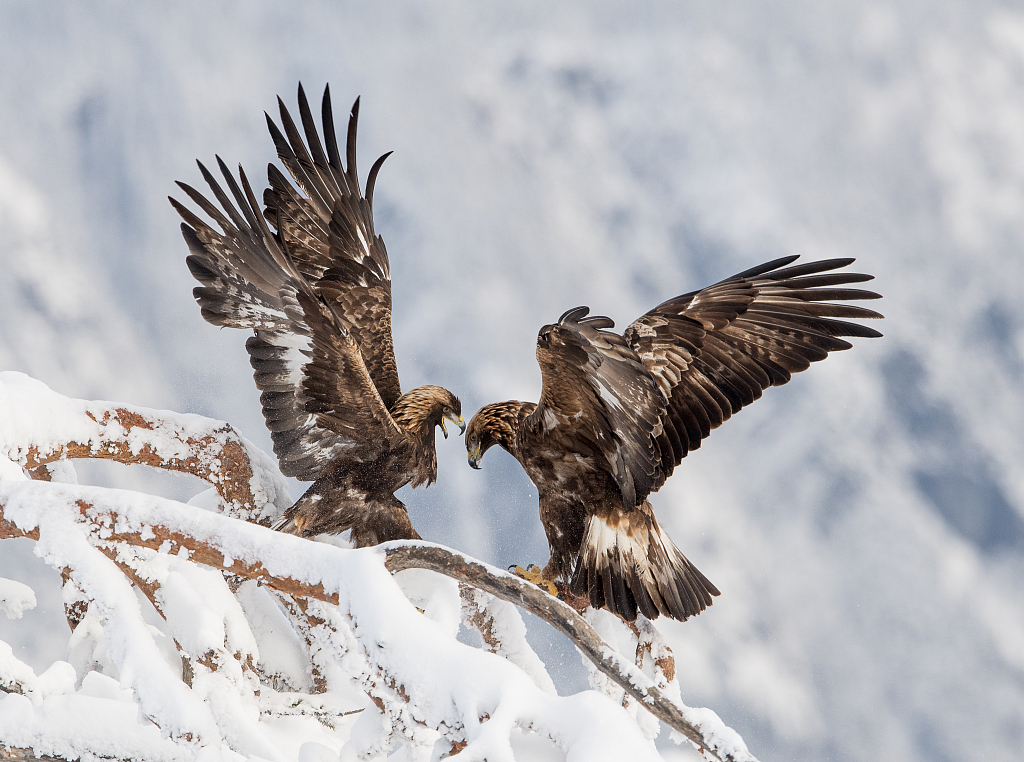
(311, 279)
(617, 414)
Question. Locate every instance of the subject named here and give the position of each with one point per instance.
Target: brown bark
(218, 457)
(398, 557)
(556, 613)
(14, 754)
(74, 612)
(305, 621)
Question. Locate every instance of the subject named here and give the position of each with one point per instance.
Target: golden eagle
(618, 413)
(314, 286)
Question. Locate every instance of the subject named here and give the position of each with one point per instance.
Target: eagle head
(494, 424)
(428, 406)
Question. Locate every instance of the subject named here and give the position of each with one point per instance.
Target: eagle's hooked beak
(474, 457)
(460, 422)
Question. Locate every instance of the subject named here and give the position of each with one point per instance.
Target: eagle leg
(535, 574)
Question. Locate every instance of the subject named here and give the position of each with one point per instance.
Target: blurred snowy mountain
(865, 523)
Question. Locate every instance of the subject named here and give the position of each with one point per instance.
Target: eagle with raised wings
(617, 414)
(310, 278)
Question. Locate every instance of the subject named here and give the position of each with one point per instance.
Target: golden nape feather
(618, 413)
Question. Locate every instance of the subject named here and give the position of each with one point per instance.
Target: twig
(304, 623)
(75, 606)
(506, 638)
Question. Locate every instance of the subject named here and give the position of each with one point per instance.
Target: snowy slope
(865, 523)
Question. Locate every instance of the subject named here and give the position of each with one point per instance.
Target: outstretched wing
(328, 230)
(598, 395)
(318, 399)
(714, 351)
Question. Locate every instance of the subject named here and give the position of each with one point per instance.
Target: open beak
(460, 422)
(474, 458)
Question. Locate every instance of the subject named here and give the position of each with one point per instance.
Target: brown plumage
(314, 287)
(618, 413)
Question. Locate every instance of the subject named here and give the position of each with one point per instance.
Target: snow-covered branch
(408, 664)
(12, 754)
(259, 627)
(703, 731)
(41, 427)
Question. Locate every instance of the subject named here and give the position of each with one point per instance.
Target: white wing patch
(362, 240)
(309, 446)
(550, 419)
(298, 352)
(610, 397)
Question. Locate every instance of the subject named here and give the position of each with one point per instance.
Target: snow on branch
(41, 427)
(259, 628)
(702, 729)
(412, 670)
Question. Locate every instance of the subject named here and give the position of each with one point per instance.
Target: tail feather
(287, 525)
(627, 565)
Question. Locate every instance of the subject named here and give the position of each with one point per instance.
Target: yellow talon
(534, 574)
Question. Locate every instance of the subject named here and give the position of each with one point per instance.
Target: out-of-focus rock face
(865, 523)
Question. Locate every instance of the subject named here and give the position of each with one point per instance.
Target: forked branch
(561, 616)
(105, 529)
(250, 486)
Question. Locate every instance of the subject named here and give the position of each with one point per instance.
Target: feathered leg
(326, 508)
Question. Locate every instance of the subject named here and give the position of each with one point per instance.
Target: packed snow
(15, 598)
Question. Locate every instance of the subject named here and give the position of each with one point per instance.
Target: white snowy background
(865, 523)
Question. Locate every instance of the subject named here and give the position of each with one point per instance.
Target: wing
(597, 395)
(328, 229)
(318, 399)
(714, 351)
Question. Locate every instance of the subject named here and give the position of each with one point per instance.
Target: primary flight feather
(617, 414)
(311, 279)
